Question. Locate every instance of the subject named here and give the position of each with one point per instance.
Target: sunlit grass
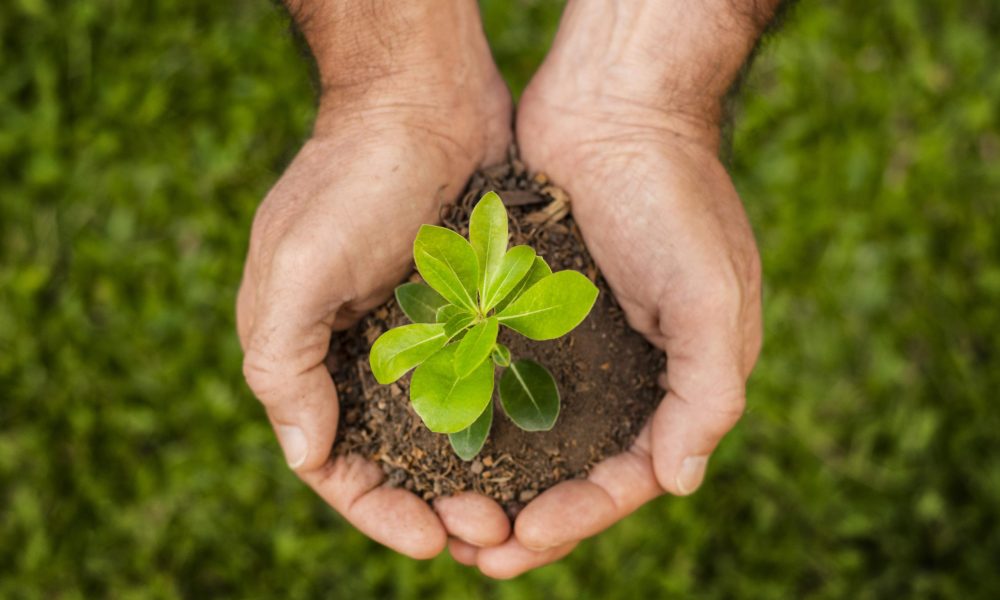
(136, 140)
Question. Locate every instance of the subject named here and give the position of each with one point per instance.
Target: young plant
(473, 288)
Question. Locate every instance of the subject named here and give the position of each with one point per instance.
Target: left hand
(665, 225)
(334, 236)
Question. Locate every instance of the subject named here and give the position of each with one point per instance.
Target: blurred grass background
(136, 140)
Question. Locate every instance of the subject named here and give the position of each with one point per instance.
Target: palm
(666, 227)
(351, 222)
(667, 230)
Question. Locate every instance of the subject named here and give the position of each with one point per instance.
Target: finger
(511, 559)
(463, 553)
(473, 518)
(302, 409)
(391, 516)
(284, 358)
(577, 509)
(706, 389)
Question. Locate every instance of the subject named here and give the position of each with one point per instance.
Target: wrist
(406, 67)
(670, 59)
(374, 48)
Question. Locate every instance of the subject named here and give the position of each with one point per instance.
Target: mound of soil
(606, 373)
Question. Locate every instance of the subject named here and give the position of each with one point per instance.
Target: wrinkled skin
(329, 243)
(668, 231)
(656, 208)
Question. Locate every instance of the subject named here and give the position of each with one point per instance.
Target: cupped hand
(665, 225)
(329, 243)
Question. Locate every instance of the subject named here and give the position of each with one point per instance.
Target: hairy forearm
(373, 47)
(675, 55)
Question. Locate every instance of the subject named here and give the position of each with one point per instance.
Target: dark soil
(606, 373)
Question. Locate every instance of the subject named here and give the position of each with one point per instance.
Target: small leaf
(398, 350)
(500, 355)
(419, 302)
(448, 264)
(539, 271)
(446, 402)
(458, 323)
(514, 267)
(552, 307)
(476, 346)
(488, 235)
(468, 442)
(529, 396)
(448, 312)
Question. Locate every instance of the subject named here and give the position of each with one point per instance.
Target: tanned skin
(626, 113)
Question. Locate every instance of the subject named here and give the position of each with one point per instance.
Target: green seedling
(473, 288)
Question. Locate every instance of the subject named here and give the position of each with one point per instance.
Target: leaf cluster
(473, 287)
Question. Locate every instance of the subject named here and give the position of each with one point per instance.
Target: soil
(607, 373)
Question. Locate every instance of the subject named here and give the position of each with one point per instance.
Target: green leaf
(552, 307)
(488, 235)
(468, 442)
(398, 350)
(420, 303)
(476, 346)
(539, 271)
(448, 264)
(514, 267)
(529, 396)
(448, 403)
(500, 355)
(458, 323)
(449, 311)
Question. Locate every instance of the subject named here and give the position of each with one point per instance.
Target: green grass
(135, 143)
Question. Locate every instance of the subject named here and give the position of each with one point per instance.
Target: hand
(331, 240)
(667, 229)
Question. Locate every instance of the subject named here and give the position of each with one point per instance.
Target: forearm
(671, 55)
(378, 49)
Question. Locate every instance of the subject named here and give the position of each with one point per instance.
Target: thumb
(685, 434)
(284, 366)
(302, 408)
(706, 396)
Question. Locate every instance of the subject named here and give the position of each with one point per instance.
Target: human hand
(334, 236)
(664, 223)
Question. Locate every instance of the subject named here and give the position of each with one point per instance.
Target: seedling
(473, 287)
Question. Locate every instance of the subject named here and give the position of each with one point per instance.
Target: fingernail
(293, 443)
(691, 474)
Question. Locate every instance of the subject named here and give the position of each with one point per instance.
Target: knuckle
(276, 372)
(724, 291)
(723, 406)
(266, 234)
(293, 254)
(732, 410)
(256, 374)
(727, 409)
(301, 262)
(718, 291)
(261, 375)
